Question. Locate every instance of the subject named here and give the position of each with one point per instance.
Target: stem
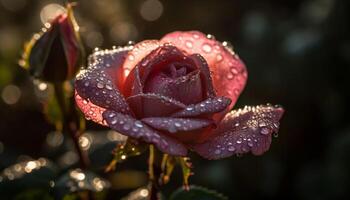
(152, 175)
(70, 123)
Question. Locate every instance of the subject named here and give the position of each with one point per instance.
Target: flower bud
(55, 54)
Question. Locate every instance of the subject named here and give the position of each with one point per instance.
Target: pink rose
(176, 93)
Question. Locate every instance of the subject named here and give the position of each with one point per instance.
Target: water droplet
(111, 115)
(196, 36)
(264, 131)
(231, 148)
(114, 121)
(206, 48)
(177, 124)
(126, 127)
(234, 70)
(250, 144)
(189, 108)
(262, 124)
(86, 84)
(131, 57)
(275, 135)
(144, 62)
(84, 101)
(189, 44)
(217, 151)
(219, 58)
(138, 124)
(229, 76)
(100, 85)
(109, 87)
(211, 37)
(239, 141)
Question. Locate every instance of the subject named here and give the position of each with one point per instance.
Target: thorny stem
(70, 123)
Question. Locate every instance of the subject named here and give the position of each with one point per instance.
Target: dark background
(297, 54)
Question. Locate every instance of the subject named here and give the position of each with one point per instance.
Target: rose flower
(176, 93)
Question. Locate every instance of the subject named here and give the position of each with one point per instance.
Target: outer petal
(205, 75)
(209, 106)
(136, 129)
(241, 131)
(174, 125)
(138, 52)
(97, 84)
(90, 110)
(229, 73)
(153, 105)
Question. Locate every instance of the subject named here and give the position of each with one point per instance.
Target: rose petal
(185, 89)
(97, 83)
(228, 71)
(174, 125)
(153, 105)
(90, 110)
(154, 62)
(241, 131)
(205, 75)
(129, 126)
(209, 106)
(138, 52)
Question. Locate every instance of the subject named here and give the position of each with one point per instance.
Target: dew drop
(100, 85)
(219, 58)
(109, 87)
(138, 124)
(131, 57)
(211, 37)
(239, 141)
(264, 131)
(126, 127)
(189, 108)
(86, 84)
(114, 121)
(206, 48)
(177, 124)
(217, 151)
(234, 70)
(229, 76)
(231, 148)
(189, 44)
(111, 115)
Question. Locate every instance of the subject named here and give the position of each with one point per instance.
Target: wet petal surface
(98, 83)
(242, 131)
(173, 125)
(153, 105)
(228, 71)
(209, 106)
(129, 126)
(90, 110)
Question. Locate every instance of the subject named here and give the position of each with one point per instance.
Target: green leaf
(196, 193)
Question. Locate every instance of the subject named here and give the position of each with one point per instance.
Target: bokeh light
(11, 94)
(151, 10)
(50, 12)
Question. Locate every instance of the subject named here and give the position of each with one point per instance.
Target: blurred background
(297, 54)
